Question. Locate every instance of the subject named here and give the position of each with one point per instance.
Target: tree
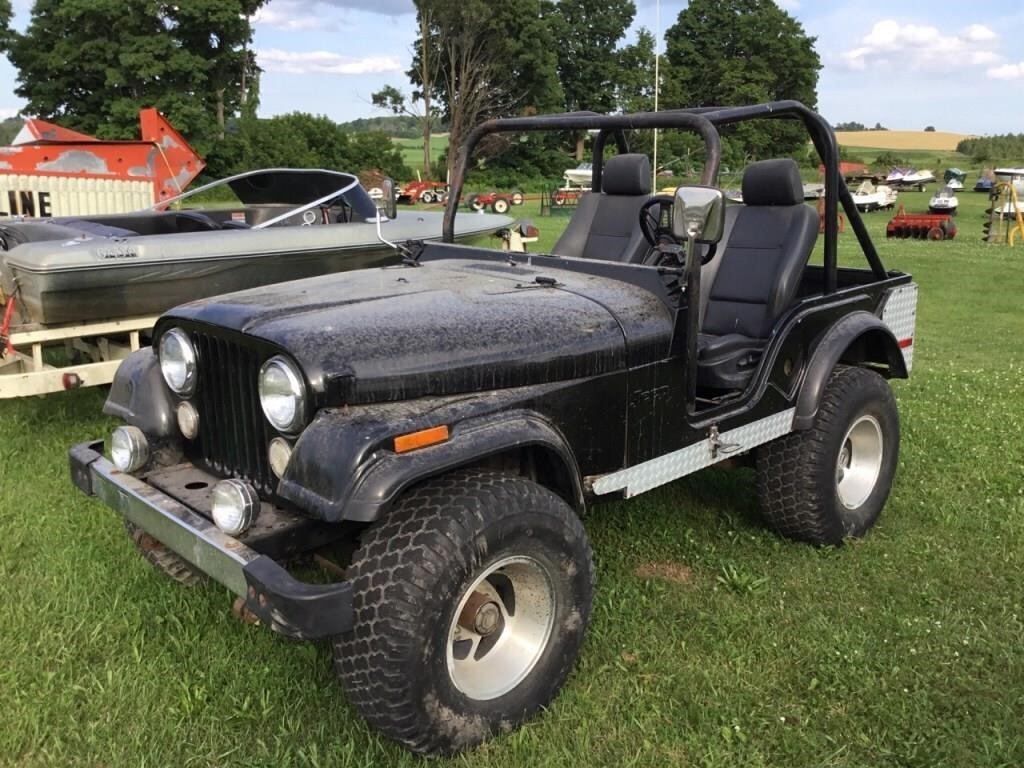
(851, 126)
(92, 65)
(5, 25)
(302, 140)
(929, 129)
(728, 52)
(424, 72)
(493, 60)
(635, 89)
(589, 66)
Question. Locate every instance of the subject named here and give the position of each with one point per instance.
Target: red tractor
(499, 202)
(423, 192)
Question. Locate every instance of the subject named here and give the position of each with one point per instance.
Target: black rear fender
(860, 338)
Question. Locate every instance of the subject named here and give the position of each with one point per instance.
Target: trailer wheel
(831, 481)
(936, 233)
(426, 196)
(471, 601)
(163, 559)
(500, 205)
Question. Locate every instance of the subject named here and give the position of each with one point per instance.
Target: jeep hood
(446, 327)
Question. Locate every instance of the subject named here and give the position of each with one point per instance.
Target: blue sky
(904, 63)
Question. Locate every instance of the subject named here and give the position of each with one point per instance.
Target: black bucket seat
(758, 273)
(606, 224)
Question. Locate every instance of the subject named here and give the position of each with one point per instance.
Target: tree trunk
(220, 111)
(580, 138)
(427, 128)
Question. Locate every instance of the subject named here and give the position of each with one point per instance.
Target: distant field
(412, 149)
(930, 140)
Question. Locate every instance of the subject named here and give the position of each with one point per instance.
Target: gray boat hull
(86, 280)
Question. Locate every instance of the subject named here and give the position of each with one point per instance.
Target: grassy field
(926, 140)
(713, 642)
(412, 150)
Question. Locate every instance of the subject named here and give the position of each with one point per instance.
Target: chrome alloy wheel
(501, 627)
(860, 462)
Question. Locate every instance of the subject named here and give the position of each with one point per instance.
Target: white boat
(908, 177)
(955, 184)
(1012, 175)
(814, 191)
(582, 175)
(868, 197)
(944, 201)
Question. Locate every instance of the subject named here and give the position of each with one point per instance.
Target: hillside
(928, 140)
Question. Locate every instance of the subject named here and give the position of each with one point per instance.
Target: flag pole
(657, 88)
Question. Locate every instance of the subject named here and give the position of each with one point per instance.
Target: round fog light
(188, 420)
(279, 454)
(234, 506)
(129, 449)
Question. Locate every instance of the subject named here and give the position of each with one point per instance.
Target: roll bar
(705, 122)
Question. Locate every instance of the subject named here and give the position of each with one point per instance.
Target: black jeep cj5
(454, 416)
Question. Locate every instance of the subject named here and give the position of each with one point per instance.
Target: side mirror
(698, 213)
(388, 201)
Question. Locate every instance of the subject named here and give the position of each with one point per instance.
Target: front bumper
(283, 603)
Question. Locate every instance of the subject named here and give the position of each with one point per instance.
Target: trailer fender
(383, 475)
(139, 396)
(858, 338)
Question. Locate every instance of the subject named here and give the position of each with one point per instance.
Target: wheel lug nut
(480, 614)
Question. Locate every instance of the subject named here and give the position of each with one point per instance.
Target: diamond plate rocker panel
(685, 461)
(900, 314)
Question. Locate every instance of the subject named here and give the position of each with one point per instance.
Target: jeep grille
(233, 432)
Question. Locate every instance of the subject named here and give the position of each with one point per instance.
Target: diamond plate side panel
(664, 469)
(900, 314)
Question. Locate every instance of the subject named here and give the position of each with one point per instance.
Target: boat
(869, 197)
(814, 191)
(581, 176)
(954, 178)
(1013, 176)
(909, 178)
(288, 224)
(984, 184)
(944, 201)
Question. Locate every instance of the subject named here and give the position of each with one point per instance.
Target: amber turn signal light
(420, 439)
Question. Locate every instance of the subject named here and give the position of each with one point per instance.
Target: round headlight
(188, 420)
(282, 395)
(129, 449)
(178, 362)
(233, 506)
(279, 453)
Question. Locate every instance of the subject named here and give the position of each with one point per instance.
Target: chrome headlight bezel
(189, 373)
(281, 379)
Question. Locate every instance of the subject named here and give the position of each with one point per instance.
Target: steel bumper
(283, 603)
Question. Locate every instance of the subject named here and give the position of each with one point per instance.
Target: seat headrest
(773, 182)
(626, 175)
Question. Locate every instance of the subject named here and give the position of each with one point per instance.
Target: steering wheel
(650, 222)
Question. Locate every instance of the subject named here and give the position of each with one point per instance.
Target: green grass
(901, 650)
(936, 159)
(412, 150)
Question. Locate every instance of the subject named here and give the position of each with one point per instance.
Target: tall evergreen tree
(726, 52)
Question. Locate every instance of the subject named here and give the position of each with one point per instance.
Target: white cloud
(978, 33)
(285, 16)
(6, 112)
(921, 46)
(789, 5)
(1007, 72)
(324, 62)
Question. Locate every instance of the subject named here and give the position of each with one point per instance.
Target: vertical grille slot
(233, 433)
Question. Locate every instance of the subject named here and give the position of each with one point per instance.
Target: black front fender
(858, 338)
(344, 466)
(139, 396)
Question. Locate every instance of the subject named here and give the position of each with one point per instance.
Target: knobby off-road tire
(408, 666)
(162, 558)
(831, 481)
